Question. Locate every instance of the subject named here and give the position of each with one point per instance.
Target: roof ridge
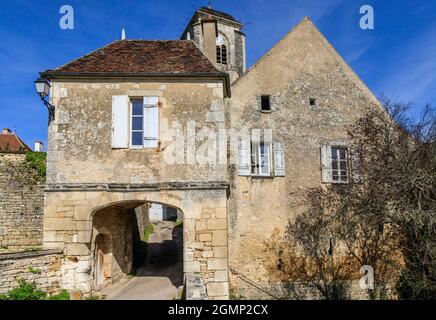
(273, 48)
(23, 144)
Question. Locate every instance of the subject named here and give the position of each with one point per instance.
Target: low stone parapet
(41, 267)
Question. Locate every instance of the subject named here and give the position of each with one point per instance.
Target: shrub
(29, 291)
(63, 295)
(37, 162)
(25, 291)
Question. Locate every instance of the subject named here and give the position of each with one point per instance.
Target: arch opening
(138, 242)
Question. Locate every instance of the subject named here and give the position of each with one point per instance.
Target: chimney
(210, 33)
(39, 146)
(6, 131)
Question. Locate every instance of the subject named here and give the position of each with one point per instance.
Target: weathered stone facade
(21, 205)
(87, 178)
(303, 65)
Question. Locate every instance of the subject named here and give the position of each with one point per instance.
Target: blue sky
(396, 59)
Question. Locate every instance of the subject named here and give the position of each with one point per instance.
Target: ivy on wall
(37, 162)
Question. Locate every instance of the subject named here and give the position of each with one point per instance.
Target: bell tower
(219, 36)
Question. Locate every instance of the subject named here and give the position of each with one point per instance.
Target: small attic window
(312, 102)
(265, 104)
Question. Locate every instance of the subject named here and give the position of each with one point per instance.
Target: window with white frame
(135, 122)
(261, 159)
(339, 164)
(335, 160)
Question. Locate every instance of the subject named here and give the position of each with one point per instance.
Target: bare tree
(384, 218)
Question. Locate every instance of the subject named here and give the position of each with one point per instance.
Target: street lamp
(43, 89)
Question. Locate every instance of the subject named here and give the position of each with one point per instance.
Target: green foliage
(179, 223)
(33, 249)
(34, 270)
(63, 295)
(25, 291)
(92, 297)
(37, 162)
(29, 291)
(149, 230)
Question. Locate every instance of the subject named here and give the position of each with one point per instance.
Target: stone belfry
(219, 36)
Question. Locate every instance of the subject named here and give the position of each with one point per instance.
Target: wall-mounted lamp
(43, 89)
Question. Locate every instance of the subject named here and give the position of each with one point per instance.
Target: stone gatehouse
(183, 123)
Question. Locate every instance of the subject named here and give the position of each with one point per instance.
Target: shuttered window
(120, 122)
(335, 163)
(135, 122)
(244, 158)
(261, 159)
(279, 160)
(339, 164)
(256, 159)
(151, 122)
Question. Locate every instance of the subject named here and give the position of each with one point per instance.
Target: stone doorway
(102, 261)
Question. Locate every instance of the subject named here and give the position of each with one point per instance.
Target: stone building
(140, 122)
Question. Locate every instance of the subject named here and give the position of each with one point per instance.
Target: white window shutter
(120, 122)
(279, 159)
(244, 166)
(356, 165)
(326, 163)
(151, 122)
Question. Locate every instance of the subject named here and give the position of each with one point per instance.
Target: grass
(33, 249)
(34, 270)
(92, 297)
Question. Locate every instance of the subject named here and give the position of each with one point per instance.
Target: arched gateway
(97, 229)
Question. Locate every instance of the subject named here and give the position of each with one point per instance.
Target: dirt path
(162, 274)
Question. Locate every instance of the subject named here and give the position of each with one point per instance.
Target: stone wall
(21, 205)
(42, 267)
(244, 288)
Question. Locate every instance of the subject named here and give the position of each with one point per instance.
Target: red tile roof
(11, 143)
(141, 57)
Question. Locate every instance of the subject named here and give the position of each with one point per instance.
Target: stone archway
(73, 220)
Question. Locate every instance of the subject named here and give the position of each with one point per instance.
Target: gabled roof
(284, 53)
(141, 56)
(11, 143)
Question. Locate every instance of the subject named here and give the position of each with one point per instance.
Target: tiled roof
(142, 57)
(11, 143)
(217, 13)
